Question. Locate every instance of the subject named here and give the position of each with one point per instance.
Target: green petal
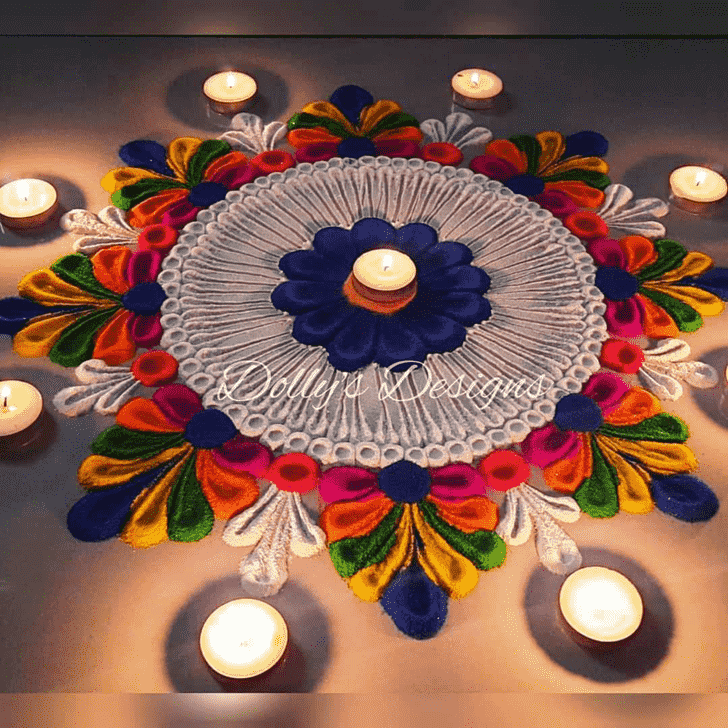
(78, 270)
(189, 516)
(208, 151)
(670, 255)
(125, 444)
(486, 549)
(686, 317)
(76, 344)
(131, 195)
(598, 180)
(660, 428)
(393, 121)
(597, 495)
(304, 120)
(350, 555)
(530, 147)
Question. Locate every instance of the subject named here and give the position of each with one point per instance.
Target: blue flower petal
(404, 481)
(438, 333)
(463, 306)
(371, 232)
(398, 343)
(354, 345)
(456, 278)
(209, 429)
(309, 265)
(586, 144)
(415, 238)
(102, 513)
(144, 299)
(714, 281)
(16, 312)
(616, 284)
(356, 147)
(579, 413)
(525, 184)
(319, 326)
(335, 244)
(350, 100)
(147, 155)
(299, 296)
(416, 605)
(684, 497)
(443, 255)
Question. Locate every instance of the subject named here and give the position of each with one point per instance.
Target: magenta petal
(179, 403)
(624, 318)
(321, 152)
(607, 252)
(146, 331)
(180, 214)
(548, 444)
(493, 167)
(243, 455)
(343, 484)
(456, 482)
(397, 148)
(556, 202)
(235, 177)
(606, 389)
(143, 267)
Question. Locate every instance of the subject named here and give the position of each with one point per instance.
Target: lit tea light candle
(382, 280)
(601, 604)
(697, 189)
(243, 638)
(27, 203)
(20, 406)
(475, 88)
(230, 91)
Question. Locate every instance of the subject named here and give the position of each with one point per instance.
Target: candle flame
(387, 262)
(700, 177)
(230, 80)
(23, 189)
(5, 392)
(474, 78)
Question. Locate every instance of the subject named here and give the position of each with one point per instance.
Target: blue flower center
(356, 147)
(144, 299)
(209, 429)
(525, 184)
(404, 481)
(578, 413)
(615, 283)
(207, 193)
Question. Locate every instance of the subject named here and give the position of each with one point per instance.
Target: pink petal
(493, 167)
(606, 389)
(178, 403)
(236, 177)
(607, 252)
(397, 148)
(180, 214)
(343, 484)
(624, 318)
(143, 267)
(243, 455)
(556, 202)
(322, 151)
(146, 331)
(456, 482)
(548, 444)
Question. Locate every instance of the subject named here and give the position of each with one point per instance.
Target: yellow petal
(40, 336)
(179, 153)
(442, 564)
(370, 582)
(328, 110)
(665, 458)
(45, 287)
(147, 524)
(372, 115)
(632, 489)
(693, 265)
(100, 471)
(123, 176)
(593, 164)
(704, 302)
(552, 147)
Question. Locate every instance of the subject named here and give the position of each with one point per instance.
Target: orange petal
(403, 134)
(113, 342)
(510, 152)
(151, 210)
(639, 251)
(227, 161)
(110, 266)
(637, 405)
(656, 322)
(349, 519)
(303, 137)
(145, 415)
(228, 492)
(476, 513)
(578, 192)
(567, 475)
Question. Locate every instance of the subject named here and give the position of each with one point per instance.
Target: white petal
(265, 569)
(562, 507)
(433, 130)
(556, 550)
(97, 370)
(659, 382)
(107, 228)
(668, 350)
(248, 527)
(458, 129)
(698, 374)
(105, 397)
(248, 134)
(637, 218)
(307, 539)
(515, 525)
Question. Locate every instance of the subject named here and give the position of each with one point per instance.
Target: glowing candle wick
(230, 80)
(700, 178)
(387, 262)
(5, 393)
(23, 190)
(474, 79)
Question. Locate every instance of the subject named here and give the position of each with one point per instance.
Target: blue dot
(404, 481)
(356, 147)
(209, 429)
(578, 413)
(207, 193)
(144, 299)
(525, 184)
(615, 283)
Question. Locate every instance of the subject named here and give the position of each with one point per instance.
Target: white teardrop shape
(637, 218)
(515, 524)
(668, 350)
(562, 507)
(307, 539)
(97, 370)
(655, 378)
(248, 135)
(458, 129)
(699, 374)
(105, 397)
(248, 527)
(94, 232)
(265, 569)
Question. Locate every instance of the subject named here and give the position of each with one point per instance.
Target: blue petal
(147, 155)
(415, 238)
(209, 429)
(16, 312)
(308, 265)
(714, 281)
(616, 284)
(319, 326)
(465, 307)
(579, 413)
(371, 232)
(300, 296)
(404, 481)
(525, 184)
(350, 100)
(443, 255)
(205, 194)
(356, 147)
(354, 346)
(336, 244)
(456, 278)
(684, 497)
(144, 299)
(438, 333)
(586, 144)
(417, 606)
(102, 513)
(397, 343)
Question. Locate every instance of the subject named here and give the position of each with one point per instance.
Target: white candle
(243, 638)
(475, 88)
(601, 604)
(384, 270)
(229, 92)
(20, 406)
(26, 203)
(698, 184)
